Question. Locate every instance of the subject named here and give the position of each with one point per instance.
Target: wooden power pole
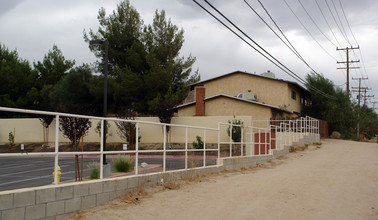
(359, 101)
(347, 62)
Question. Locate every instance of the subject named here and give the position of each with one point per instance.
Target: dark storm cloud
(217, 50)
(7, 5)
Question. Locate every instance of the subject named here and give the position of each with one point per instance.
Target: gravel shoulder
(339, 180)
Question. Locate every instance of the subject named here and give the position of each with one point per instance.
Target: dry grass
(77, 215)
(299, 148)
(134, 198)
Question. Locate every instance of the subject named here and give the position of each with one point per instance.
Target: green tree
(18, 81)
(123, 30)
(53, 67)
(337, 111)
(72, 93)
(144, 60)
(368, 121)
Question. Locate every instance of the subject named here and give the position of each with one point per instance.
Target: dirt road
(337, 181)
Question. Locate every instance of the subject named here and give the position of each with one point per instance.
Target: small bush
(94, 172)
(123, 164)
(198, 144)
(292, 149)
(356, 138)
(336, 135)
(236, 129)
(306, 146)
(11, 139)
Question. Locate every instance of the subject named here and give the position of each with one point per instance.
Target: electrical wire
(291, 47)
(334, 19)
(341, 23)
(289, 73)
(316, 25)
(350, 29)
(299, 20)
(329, 26)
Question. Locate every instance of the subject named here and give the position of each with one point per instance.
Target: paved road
(22, 172)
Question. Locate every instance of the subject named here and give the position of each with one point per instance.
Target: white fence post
(56, 164)
(204, 147)
(242, 141)
(186, 147)
(164, 146)
(219, 140)
(230, 140)
(137, 148)
(102, 151)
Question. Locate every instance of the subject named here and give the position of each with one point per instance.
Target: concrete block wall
(48, 202)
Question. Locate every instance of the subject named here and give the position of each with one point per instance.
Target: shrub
(11, 139)
(98, 129)
(198, 144)
(292, 149)
(123, 164)
(336, 135)
(94, 172)
(236, 130)
(356, 138)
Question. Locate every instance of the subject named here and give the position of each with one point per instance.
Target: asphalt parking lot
(23, 172)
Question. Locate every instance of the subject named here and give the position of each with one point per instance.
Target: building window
(293, 95)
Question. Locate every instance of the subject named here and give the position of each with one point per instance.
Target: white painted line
(40, 177)
(28, 171)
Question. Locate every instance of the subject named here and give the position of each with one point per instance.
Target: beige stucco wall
(268, 91)
(294, 105)
(226, 106)
(221, 106)
(30, 130)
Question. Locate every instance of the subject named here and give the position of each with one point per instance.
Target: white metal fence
(253, 140)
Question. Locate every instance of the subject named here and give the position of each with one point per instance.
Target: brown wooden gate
(263, 144)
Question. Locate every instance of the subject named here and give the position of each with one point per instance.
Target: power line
(308, 31)
(341, 23)
(350, 29)
(334, 19)
(342, 9)
(292, 48)
(329, 26)
(316, 25)
(288, 71)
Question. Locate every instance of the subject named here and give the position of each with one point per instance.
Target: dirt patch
(337, 181)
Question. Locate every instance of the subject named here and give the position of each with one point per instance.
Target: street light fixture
(106, 43)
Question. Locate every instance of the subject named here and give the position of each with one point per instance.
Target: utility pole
(347, 62)
(375, 102)
(366, 97)
(359, 98)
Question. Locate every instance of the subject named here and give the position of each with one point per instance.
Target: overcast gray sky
(34, 26)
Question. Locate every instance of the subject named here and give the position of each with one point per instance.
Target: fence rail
(252, 140)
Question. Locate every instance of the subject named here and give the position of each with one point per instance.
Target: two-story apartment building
(245, 94)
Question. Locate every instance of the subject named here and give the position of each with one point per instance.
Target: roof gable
(252, 75)
(238, 99)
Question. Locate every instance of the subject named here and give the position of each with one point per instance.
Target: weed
(94, 172)
(292, 149)
(306, 146)
(336, 135)
(198, 144)
(11, 139)
(171, 185)
(123, 164)
(299, 148)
